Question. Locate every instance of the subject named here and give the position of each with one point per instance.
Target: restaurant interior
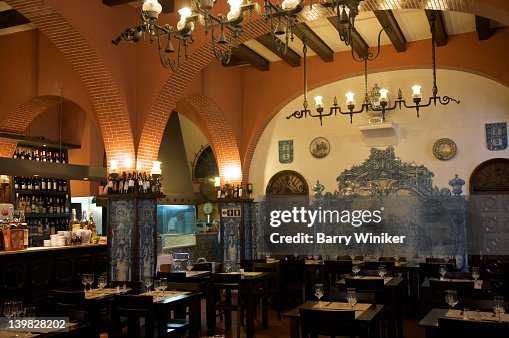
(163, 161)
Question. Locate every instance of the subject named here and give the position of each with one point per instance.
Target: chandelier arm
(166, 61)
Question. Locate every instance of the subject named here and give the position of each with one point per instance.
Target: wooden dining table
(368, 316)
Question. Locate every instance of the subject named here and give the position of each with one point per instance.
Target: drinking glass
(227, 267)
(157, 285)
(352, 257)
(147, 281)
(8, 307)
(475, 273)
(319, 291)
(382, 271)
(498, 306)
(189, 265)
(451, 298)
(442, 270)
(351, 297)
(90, 280)
(356, 269)
(164, 284)
(396, 258)
(315, 257)
(17, 311)
(84, 281)
(446, 258)
(29, 312)
(101, 283)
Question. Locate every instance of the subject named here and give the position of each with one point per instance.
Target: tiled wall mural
(120, 238)
(432, 219)
(146, 228)
(231, 227)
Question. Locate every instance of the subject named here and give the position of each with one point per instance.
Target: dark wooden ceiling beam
(168, 5)
(314, 42)
(253, 58)
(11, 18)
(395, 34)
(482, 26)
(440, 31)
(359, 45)
(291, 57)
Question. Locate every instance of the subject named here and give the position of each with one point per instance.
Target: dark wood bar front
(31, 274)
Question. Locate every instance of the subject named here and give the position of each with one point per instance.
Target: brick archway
(222, 140)
(109, 106)
(176, 84)
(18, 119)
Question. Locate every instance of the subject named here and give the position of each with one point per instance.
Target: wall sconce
(114, 168)
(217, 182)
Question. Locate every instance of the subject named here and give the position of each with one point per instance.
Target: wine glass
(164, 284)
(475, 273)
(356, 269)
(498, 306)
(8, 309)
(29, 312)
(451, 298)
(442, 270)
(351, 297)
(17, 310)
(267, 256)
(101, 283)
(227, 267)
(315, 257)
(147, 281)
(382, 271)
(396, 258)
(446, 258)
(84, 281)
(90, 280)
(319, 291)
(157, 285)
(352, 257)
(189, 265)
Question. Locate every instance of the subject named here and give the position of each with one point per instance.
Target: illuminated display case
(176, 225)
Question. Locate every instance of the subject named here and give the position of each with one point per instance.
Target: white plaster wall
(482, 101)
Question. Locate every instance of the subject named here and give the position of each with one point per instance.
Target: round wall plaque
(444, 149)
(319, 147)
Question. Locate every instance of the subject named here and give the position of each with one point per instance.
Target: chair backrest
(327, 322)
(361, 285)
(194, 287)
(173, 276)
(362, 297)
(68, 304)
(134, 308)
(440, 260)
(430, 270)
(202, 266)
(464, 290)
(293, 271)
(389, 266)
(335, 271)
(448, 327)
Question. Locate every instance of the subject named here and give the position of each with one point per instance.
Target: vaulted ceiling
(406, 26)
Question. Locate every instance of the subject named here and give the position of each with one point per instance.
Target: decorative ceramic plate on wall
(444, 149)
(319, 147)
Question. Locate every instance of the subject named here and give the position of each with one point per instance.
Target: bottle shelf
(42, 192)
(47, 215)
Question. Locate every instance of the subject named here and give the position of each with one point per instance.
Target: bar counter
(32, 273)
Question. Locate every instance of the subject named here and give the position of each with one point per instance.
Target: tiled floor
(281, 329)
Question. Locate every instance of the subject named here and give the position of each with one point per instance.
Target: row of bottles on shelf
(42, 204)
(40, 184)
(234, 191)
(44, 155)
(133, 182)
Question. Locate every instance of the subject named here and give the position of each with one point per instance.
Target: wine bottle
(131, 184)
(74, 224)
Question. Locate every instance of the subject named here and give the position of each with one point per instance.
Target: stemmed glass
(396, 259)
(451, 298)
(157, 285)
(446, 258)
(164, 285)
(189, 265)
(351, 297)
(382, 271)
(227, 267)
(101, 283)
(8, 309)
(475, 273)
(90, 280)
(442, 270)
(17, 310)
(498, 306)
(147, 281)
(356, 269)
(319, 291)
(84, 281)
(352, 257)
(29, 312)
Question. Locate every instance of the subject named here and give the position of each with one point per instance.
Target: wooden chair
(389, 266)
(69, 304)
(173, 276)
(327, 323)
(334, 272)
(293, 281)
(273, 282)
(440, 260)
(190, 287)
(225, 293)
(247, 264)
(430, 270)
(448, 327)
(375, 286)
(437, 291)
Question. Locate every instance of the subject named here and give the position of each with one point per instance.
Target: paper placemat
(454, 314)
(96, 293)
(386, 279)
(359, 308)
(246, 273)
(477, 315)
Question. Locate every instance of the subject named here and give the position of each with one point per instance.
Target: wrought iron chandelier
(222, 46)
(382, 105)
(346, 11)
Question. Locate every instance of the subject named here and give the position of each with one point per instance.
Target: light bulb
(153, 7)
(349, 99)
(156, 168)
(318, 102)
(184, 12)
(416, 92)
(383, 95)
(289, 4)
(234, 9)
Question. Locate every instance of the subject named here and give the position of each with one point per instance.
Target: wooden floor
(281, 329)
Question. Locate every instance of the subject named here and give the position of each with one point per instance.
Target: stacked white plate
(47, 242)
(54, 240)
